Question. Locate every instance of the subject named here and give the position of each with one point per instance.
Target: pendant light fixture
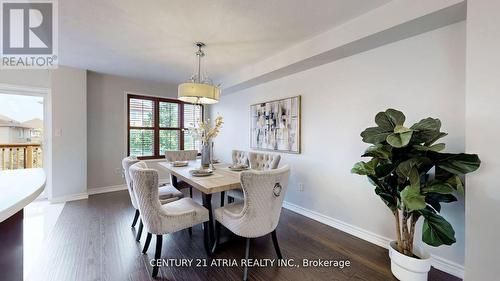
(199, 90)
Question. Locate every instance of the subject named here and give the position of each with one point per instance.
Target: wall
(4, 135)
(107, 133)
(89, 109)
(422, 76)
(67, 179)
(69, 133)
(31, 78)
(483, 127)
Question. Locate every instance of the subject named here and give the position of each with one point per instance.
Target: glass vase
(205, 155)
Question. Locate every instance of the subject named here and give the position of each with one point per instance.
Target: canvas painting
(275, 125)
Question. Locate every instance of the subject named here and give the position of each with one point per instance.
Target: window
(156, 125)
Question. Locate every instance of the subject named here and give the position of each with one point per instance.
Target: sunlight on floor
(39, 220)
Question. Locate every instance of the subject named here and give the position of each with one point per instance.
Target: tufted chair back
(145, 188)
(126, 163)
(264, 195)
(263, 161)
(181, 155)
(155, 218)
(240, 157)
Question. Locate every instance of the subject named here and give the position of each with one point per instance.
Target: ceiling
(153, 39)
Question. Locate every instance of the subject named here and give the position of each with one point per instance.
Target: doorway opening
(21, 131)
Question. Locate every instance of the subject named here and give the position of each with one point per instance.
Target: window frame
(156, 123)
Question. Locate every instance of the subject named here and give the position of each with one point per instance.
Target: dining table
(221, 180)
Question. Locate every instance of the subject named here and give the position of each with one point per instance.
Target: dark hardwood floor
(93, 240)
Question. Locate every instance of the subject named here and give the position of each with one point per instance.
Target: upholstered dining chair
(239, 157)
(181, 155)
(162, 219)
(258, 161)
(166, 193)
(259, 213)
(263, 161)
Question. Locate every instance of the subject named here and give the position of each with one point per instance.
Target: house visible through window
(156, 125)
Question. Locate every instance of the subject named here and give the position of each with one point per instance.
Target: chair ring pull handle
(277, 189)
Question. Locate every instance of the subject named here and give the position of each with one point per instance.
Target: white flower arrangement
(204, 131)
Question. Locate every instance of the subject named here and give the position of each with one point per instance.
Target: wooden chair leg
(159, 241)
(136, 216)
(139, 231)
(146, 245)
(276, 245)
(247, 253)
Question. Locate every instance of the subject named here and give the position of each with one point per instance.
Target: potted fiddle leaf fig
(413, 177)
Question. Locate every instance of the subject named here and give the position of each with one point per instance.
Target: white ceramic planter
(406, 268)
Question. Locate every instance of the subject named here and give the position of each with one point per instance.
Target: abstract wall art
(275, 125)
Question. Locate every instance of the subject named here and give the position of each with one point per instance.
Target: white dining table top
(222, 179)
(18, 188)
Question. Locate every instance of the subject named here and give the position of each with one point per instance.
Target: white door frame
(47, 124)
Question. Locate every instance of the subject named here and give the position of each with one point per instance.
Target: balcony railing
(20, 156)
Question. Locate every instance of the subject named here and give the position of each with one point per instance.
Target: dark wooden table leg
(208, 227)
(222, 198)
(174, 182)
(217, 224)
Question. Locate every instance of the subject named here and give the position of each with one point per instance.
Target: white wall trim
(24, 90)
(119, 187)
(438, 262)
(106, 189)
(72, 197)
(448, 266)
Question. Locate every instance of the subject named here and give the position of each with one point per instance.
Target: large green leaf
(427, 131)
(387, 198)
(374, 135)
(436, 231)
(365, 168)
(433, 138)
(399, 140)
(412, 198)
(434, 199)
(461, 163)
(442, 175)
(401, 129)
(383, 170)
(404, 168)
(456, 182)
(436, 147)
(427, 124)
(438, 187)
(397, 117)
(384, 122)
(414, 177)
(426, 137)
(378, 151)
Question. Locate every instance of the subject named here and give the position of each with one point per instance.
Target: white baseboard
(437, 262)
(72, 197)
(106, 189)
(113, 188)
(448, 266)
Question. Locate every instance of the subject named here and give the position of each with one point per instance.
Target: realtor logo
(29, 34)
